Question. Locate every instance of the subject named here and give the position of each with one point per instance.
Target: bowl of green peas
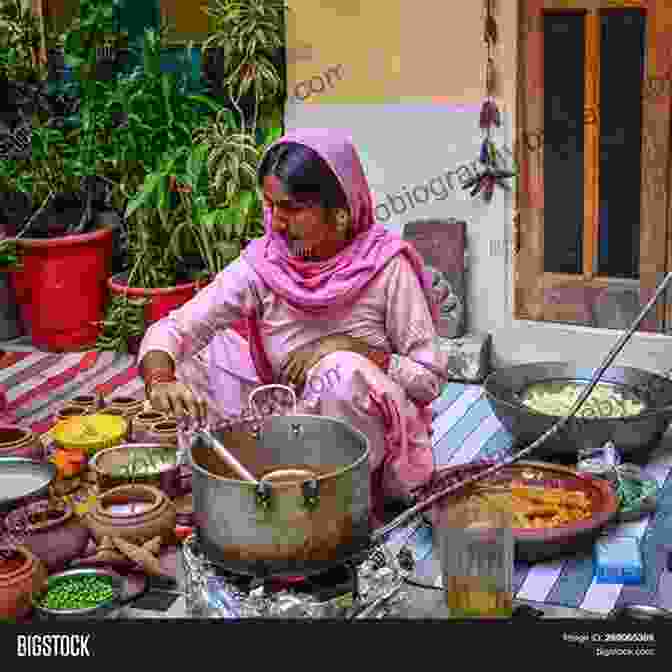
(85, 594)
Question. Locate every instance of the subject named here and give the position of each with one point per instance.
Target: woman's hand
(176, 398)
(301, 360)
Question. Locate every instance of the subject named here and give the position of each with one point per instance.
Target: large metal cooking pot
(297, 524)
(635, 437)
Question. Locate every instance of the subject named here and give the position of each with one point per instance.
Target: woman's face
(308, 229)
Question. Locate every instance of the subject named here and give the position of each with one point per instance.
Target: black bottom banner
(177, 642)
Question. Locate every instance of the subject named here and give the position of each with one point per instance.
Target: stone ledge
(469, 356)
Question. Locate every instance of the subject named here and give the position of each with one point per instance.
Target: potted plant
(248, 39)
(174, 251)
(198, 206)
(10, 323)
(65, 247)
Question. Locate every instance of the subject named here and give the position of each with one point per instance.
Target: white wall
(403, 146)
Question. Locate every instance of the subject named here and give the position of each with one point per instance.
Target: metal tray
(29, 478)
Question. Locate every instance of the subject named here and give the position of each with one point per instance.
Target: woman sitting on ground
(326, 301)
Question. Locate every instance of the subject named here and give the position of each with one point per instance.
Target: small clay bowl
(113, 467)
(131, 407)
(164, 432)
(20, 442)
(110, 515)
(144, 422)
(71, 410)
(89, 401)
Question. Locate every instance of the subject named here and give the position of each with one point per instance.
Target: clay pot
(144, 422)
(164, 432)
(115, 411)
(156, 518)
(92, 402)
(131, 407)
(57, 541)
(20, 577)
(70, 411)
(19, 442)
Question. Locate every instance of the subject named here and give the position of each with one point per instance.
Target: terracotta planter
(19, 579)
(157, 518)
(57, 541)
(66, 272)
(161, 301)
(19, 442)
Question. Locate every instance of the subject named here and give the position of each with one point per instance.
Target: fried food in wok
(537, 507)
(558, 398)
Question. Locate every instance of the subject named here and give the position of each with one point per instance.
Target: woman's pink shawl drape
(321, 287)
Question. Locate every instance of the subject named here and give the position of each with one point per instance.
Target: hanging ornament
(493, 175)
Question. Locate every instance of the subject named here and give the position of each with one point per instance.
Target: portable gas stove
(372, 587)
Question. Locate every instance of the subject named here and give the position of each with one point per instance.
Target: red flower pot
(161, 301)
(67, 272)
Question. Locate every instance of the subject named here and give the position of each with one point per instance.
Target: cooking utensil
(21, 478)
(635, 436)
(380, 534)
(226, 455)
(280, 526)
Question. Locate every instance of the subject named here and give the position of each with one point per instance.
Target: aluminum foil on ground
(210, 595)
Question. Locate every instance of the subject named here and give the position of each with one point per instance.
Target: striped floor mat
(38, 384)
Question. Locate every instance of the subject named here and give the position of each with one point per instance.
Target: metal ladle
(226, 456)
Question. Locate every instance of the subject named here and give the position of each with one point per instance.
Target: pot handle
(267, 387)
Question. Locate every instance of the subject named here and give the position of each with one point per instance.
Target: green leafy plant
(20, 41)
(249, 33)
(124, 321)
(9, 255)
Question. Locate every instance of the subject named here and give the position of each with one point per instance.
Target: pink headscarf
(319, 286)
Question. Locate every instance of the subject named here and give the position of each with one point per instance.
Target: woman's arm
(187, 330)
(418, 364)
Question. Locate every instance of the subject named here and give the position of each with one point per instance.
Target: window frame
(555, 297)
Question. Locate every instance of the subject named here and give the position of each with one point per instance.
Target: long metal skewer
(379, 534)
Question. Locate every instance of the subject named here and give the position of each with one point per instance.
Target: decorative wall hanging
(495, 172)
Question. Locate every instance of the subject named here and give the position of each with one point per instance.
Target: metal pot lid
(21, 477)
